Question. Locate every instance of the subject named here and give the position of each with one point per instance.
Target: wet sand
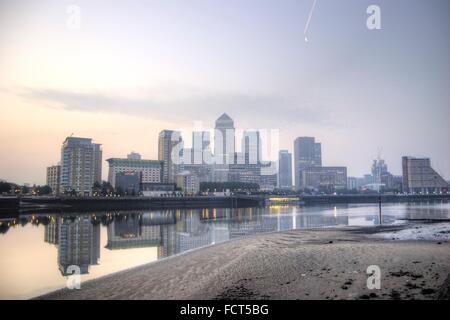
(313, 264)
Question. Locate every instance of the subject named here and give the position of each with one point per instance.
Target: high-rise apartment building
(81, 165)
(78, 244)
(54, 178)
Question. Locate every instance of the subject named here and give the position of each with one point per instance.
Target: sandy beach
(299, 264)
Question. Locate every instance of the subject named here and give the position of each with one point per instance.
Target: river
(36, 250)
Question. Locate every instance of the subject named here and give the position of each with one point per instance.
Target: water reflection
(78, 238)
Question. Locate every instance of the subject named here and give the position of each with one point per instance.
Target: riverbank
(299, 264)
(73, 204)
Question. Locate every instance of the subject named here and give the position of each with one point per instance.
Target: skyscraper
(382, 178)
(307, 153)
(224, 143)
(81, 165)
(198, 159)
(251, 147)
(285, 169)
(201, 147)
(379, 168)
(170, 145)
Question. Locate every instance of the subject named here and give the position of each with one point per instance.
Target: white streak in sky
(309, 19)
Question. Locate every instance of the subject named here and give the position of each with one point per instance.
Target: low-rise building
(128, 182)
(420, 177)
(328, 179)
(151, 170)
(188, 182)
(157, 189)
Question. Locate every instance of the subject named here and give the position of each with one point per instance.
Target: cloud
(267, 110)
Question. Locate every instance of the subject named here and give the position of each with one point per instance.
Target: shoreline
(73, 204)
(298, 264)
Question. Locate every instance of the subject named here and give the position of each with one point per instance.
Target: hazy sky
(134, 68)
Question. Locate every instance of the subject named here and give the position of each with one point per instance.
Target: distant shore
(73, 204)
(299, 264)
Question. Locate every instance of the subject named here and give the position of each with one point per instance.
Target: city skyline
(179, 63)
(248, 165)
(184, 136)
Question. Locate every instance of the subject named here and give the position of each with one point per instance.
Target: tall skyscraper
(382, 178)
(224, 140)
(81, 165)
(285, 169)
(419, 176)
(251, 147)
(170, 145)
(201, 147)
(379, 168)
(307, 153)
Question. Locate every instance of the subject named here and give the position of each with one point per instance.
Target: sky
(125, 70)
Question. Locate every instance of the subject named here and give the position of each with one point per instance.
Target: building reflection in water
(130, 231)
(77, 240)
(176, 231)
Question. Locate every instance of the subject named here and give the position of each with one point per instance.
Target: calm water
(35, 250)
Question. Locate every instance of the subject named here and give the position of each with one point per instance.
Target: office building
(284, 169)
(203, 171)
(352, 183)
(251, 147)
(248, 173)
(81, 165)
(201, 148)
(132, 232)
(128, 182)
(151, 171)
(224, 140)
(269, 176)
(420, 177)
(307, 153)
(325, 179)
